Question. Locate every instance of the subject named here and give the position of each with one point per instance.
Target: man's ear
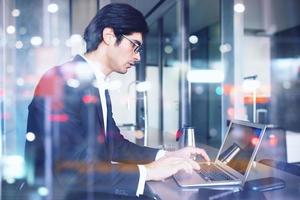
(108, 36)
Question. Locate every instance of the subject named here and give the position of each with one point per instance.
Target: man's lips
(131, 64)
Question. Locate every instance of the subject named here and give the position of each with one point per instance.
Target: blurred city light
(89, 99)
(193, 39)
(58, 117)
(239, 8)
(219, 90)
(139, 134)
(168, 49)
(224, 48)
(74, 83)
(20, 81)
(36, 41)
(43, 191)
(10, 180)
(205, 76)
(10, 29)
(30, 136)
(81, 72)
(76, 43)
(254, 141)
(273, 140)
(198, 89)
(13, 167)
(15, 12)
(52, 8)
(19, 44)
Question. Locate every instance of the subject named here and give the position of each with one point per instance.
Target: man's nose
(137, 56)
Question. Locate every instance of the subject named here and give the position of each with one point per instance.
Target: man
(77, 140)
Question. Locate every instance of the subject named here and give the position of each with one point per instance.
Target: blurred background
(204, 63)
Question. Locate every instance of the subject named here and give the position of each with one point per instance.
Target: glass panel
(272, 56)
(152, 77)
(34, 38)
(267, 52)
(152, 42)
(170, 41)
(204, 38)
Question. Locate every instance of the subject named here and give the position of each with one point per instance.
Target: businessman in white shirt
(88, 153)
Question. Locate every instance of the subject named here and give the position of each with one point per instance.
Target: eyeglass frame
(137, 48)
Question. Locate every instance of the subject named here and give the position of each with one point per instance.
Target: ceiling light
(239, 8)
(205, 76)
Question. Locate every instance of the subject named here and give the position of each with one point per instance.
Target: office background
(204, 62)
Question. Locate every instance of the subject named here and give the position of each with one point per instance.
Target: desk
(168, 189)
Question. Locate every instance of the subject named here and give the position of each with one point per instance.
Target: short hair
(122, 18)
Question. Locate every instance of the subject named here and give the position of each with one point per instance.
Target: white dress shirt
(102, 85)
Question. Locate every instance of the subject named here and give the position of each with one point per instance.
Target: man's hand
(173, 162)
(168, 166)
(188, 152)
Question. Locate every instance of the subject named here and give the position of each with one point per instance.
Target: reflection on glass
(239, 146)
(31, 42)
(170, 43)
(271, 50)
(153, 77)
(34, 37)
(207, 73)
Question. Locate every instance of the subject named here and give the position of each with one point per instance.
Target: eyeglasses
(137, 46)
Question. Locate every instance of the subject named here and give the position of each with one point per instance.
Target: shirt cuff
(160, 154)
(142, 180)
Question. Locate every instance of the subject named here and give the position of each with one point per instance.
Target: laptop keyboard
(212, 173)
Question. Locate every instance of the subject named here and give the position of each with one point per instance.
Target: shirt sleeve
(160, 154)
(142, 180)
(143, 174)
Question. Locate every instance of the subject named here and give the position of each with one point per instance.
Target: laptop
(234, 159)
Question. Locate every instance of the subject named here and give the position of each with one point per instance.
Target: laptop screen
(239, 146)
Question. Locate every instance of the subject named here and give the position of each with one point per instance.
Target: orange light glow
(227, 89)
(254, 141)
(260, 100)
(273, 140)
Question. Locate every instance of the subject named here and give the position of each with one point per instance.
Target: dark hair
(122, 18)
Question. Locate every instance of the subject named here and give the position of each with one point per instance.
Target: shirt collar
(100, 76)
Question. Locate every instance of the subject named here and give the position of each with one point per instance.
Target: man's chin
(123, 71)
(126, 70)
